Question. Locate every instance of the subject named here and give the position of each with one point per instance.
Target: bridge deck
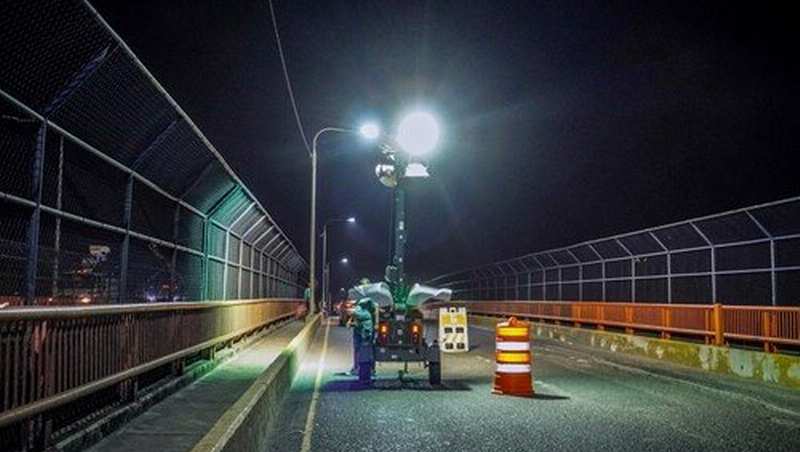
(586, 400)
(180, 421)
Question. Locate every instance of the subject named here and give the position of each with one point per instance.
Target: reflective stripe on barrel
(513, 346)
(514, 368)
(513, 359)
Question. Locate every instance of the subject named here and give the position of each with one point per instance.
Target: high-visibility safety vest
(513, 358)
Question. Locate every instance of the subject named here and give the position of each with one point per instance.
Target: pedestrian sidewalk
(181, 420)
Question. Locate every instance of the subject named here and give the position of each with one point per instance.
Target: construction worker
(364, 321)
(307, 301)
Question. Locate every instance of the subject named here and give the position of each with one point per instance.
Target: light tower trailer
(400, 335)
(400, 338)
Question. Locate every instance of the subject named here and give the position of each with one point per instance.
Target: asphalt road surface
(585, 400)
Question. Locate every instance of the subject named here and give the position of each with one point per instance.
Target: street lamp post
(369, 131)
(325, 265)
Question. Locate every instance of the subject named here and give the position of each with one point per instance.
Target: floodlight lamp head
(418, 133)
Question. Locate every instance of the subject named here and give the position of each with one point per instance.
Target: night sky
(563, 121)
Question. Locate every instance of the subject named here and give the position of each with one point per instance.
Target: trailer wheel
(435, 373)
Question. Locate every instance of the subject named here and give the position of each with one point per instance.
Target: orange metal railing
(718, 324)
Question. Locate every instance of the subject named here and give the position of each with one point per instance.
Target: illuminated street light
(418, 133)
(344, 260)
(370, 131)
(351, 220)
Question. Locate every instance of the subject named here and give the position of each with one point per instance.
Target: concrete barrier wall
(751, 364)
(245, 425)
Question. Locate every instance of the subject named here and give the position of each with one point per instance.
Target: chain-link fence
(108, 191)
(749, 256)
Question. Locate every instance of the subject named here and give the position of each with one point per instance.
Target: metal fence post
(544, 285)
(57, 238)
(530, 281)
(241, 269)
(669, 277)
(225, 269)
(603, 276)
(173, 275)
(669, 264)
(126, 242)
(205, 269)
(713, 261)
(253, 274)
(32, 262)
(602, 269)
(772, 272)
(560, 284)
(633, 268)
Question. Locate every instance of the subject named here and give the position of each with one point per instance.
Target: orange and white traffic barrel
(513, 358)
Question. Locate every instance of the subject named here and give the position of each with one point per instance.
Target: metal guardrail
(717, 324)
(52, 356)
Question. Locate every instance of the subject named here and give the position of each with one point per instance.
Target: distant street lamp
(343, 260)
(369, 131)
(325, 264)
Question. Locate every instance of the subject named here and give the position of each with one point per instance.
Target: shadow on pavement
(538, 396)
(394, 384)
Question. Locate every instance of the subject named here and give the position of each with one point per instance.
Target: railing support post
(718, 325)
(601, 313)
(766, 331)
(666, 321)
(629, 319)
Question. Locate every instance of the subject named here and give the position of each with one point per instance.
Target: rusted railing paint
(51, 356)
(717, 323)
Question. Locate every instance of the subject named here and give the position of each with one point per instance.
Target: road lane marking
(312, 408)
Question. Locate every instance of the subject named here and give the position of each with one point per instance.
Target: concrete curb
(244, 426)
(775, 368)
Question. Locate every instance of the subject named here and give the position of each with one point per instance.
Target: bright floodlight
(370, 131)
(344, 260)
(418, 133)
(351, 220)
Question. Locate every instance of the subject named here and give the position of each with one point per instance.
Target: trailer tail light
(383, 332)
(416, 330)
